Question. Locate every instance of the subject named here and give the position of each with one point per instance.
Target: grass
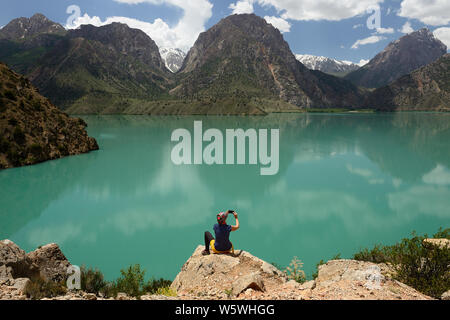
(426, 269)
(130, 282)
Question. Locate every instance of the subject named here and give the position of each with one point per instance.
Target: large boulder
(13, 260)
(51, 262)
(351, 280)
(217, 273)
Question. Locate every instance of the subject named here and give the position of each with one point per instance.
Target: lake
(345, 181)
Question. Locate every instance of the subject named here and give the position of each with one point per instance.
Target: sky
(351, 30)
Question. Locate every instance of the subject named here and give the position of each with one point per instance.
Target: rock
(90, 296)
(51, 262)
(446, 295)
(309, 285)
(5, 274)
(350, 280)
(440, 243)
(225, 273)
(253, 281)
(20, 284)
(14, 260)
(122, 296)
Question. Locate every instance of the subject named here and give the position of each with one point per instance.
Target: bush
(423, 268)
(294, 271)
(131, 281)
(10, 95)
(166, 291)
(152, 286)
(36, 149)
(19, 135)
(92, 281)
(39, 288)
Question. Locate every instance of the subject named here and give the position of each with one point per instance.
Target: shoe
(205, 253)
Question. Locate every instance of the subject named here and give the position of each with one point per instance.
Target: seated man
(222, 231)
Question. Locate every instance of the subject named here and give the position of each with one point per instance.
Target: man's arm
(235, 227)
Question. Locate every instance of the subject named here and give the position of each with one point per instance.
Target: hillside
(243, 57)
(102, 70)
(425, 89)
(32, 130)
(399, 58)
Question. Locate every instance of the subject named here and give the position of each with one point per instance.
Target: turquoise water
(345, 181)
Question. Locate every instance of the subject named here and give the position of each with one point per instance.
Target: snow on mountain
(173, 58)
(327, 65)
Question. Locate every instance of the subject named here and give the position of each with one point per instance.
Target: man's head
(222, 217)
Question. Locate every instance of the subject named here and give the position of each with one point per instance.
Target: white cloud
(407, 28)
(435, 13)
(182, 35)
(443, 34)
(438, 176)
(368, 40)
(320, 9)
(385, 30)
(279, 23)
(241, 7)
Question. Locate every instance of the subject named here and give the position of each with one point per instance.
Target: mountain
(102, 70)
(25, 28)
(24, 41)
(243, 58)
(399, 58)
(33, 130)
(173, 58)
(327, 65)
(427, 88)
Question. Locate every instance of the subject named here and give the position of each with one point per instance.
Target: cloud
(320, 9)
(435, 13)
(368, 40)
(406, 28)
(385, 30)
(443, 34)
(241, 7)
(439, 176)
(182, 35)
(279, 23)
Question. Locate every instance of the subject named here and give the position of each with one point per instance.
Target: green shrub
(153, 285)
(9, 94)
(166, 291)
(92, 281)
(4, 145)
(131, 281)
(423, 268)
(39, 288)
(36, 149)
(19, 135)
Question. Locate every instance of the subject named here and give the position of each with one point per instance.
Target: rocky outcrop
(213, 275)
(399, 58)
(440, 243)
(51, 262)
(32, 130)
(14, 262)
(425, 89)
(244, 276)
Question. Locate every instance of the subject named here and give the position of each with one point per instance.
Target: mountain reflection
(364, 175)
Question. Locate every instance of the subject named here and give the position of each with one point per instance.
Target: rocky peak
(23, 28)
(400, 58)
(173, 58)
(124, 40)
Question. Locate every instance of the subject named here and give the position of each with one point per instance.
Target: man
(222, 231)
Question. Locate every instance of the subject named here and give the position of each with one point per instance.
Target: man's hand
(235, 214)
